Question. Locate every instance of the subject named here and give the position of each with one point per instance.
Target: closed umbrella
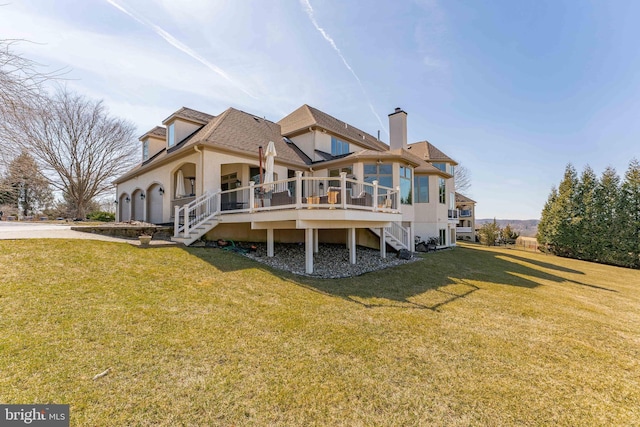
(270, 155)
(180, 192)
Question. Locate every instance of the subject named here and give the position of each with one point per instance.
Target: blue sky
(513, 90)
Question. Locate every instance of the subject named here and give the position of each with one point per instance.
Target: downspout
(195, 147)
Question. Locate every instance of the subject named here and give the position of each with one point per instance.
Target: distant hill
(524, 227)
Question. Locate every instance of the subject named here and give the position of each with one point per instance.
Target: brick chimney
(398, 129)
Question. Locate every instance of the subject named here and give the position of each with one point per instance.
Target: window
(443, 236)
(379, 172)
(441, 166)
(452, 170)
(421, 189)
(405, 185)
(338, 147)
(145, 150)
(452, 201)
(442, 191)
(336, 172)
(171, 135)
(254, 175)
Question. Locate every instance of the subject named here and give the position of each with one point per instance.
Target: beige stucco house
(466, 228)
(331, 182)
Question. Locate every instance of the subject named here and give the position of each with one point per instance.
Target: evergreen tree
(606, 227)
(565, 213)
(584, 200)
(508, 235)
(28, 191)
(489, 233)
(548, 227)
(628, 214)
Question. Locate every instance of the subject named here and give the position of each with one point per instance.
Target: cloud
(179, 45)
(432, 62)
(310, 13)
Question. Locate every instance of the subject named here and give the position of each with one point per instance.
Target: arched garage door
(154, 205)
(125, 208)
(137, 206)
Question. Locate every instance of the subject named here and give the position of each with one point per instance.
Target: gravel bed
(331, 261)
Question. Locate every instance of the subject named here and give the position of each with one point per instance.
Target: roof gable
(461, 198)
(429, 152)
(190, 115)
(156, 132)
(244, 132)
(307, 116)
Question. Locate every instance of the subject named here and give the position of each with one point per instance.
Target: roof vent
(346, 126)
(398, 109)
(256, 119)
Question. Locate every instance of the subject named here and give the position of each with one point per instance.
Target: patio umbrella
(180, 185)
(270, 155)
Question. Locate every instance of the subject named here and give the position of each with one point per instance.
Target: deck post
(308, 250)
(315, 241)
(176, 220)
(252, 196)
(352, 248)
(185, 233)
(298, 189)
(375, 196)
(383, 244)
(343, 189)
(270, 242)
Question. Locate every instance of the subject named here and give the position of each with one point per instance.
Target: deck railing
(310, 192)
(292, 193)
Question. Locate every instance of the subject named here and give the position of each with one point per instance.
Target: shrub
(102, 216)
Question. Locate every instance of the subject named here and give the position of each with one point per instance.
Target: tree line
(55, 142)
(594, 219)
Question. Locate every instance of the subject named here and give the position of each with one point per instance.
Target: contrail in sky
(178, 45)
(327, 37)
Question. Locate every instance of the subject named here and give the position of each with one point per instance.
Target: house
(466, 228)
(331, 182)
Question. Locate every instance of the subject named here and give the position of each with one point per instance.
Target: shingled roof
(429, 152)
(461, 198)
(307, 116)
(238, 131)
(191, 115)
(158, 132)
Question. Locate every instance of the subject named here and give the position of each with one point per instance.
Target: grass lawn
(471, 336)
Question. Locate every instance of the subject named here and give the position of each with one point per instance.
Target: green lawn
(471, 336)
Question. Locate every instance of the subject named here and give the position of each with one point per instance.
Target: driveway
(11, 230)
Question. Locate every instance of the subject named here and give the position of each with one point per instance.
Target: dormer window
(171, 135)
(145, 150)
(338, 147)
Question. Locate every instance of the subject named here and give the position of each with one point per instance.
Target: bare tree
(21, 90)
(79, 146)
(462, 180)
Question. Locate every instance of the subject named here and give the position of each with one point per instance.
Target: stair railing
(399, 233)
(191, 215)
